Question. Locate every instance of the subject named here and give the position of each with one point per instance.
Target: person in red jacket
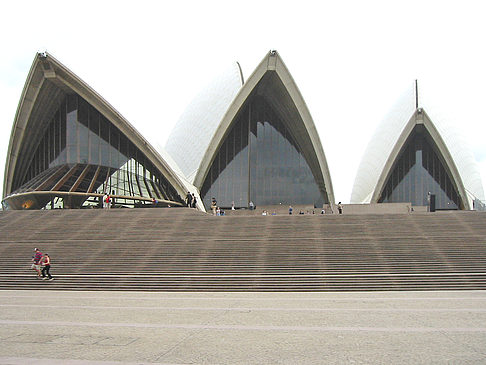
(36, 262)
(46, 261)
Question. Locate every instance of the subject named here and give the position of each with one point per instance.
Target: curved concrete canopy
(272, 73)
(47, 80)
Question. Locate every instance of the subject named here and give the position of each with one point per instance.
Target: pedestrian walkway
(107, 328)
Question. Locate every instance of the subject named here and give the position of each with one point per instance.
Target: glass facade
(81, 151)
(260, 161)
(419, 170)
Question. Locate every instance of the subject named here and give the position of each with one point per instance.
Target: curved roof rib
(48, 79)
(273, 74)
(389, 140)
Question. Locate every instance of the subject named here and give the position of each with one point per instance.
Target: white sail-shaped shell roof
(305, 131)
(192, 134)
(47, 79)
(389, 138)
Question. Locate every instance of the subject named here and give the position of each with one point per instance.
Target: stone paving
(111, 328)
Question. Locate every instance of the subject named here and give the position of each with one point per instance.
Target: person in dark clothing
(189, 199)
(46, 261)
(194, 200)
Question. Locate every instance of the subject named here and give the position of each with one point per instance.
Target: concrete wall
(382, 208)
(377, 208)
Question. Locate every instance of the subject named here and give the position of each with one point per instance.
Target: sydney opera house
(414, 154)
(256, 142)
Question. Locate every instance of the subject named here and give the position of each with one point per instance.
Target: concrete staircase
(180, 249)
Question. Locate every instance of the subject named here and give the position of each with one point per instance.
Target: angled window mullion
(156, 189)
(149, 191)
(93, 181)
(51, 180)
(138, 184)
(66, 176)
(164, 190)
(105, 183)
(131, 184)
(129, 179)
(80, 179)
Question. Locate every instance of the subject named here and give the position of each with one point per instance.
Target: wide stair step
(180, 249)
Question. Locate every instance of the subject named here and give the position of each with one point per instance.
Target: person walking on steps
(36, 262)
(46, 275)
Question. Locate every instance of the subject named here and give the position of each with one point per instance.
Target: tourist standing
(189, 199)
(340, 208)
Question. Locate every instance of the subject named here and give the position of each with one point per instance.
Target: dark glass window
(72, 129)
(420, 170)
(63, 153)
(83, 131)
(97, 155)
(94, 136)
(259, 161)
(114, 136)
(104, 146)
(57, 135)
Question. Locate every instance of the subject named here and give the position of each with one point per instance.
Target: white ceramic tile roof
(380, 147)
(449, 125)
(196, 127)
(390, 129)
(272, 63)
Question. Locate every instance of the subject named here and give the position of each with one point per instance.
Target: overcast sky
(350, 59)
